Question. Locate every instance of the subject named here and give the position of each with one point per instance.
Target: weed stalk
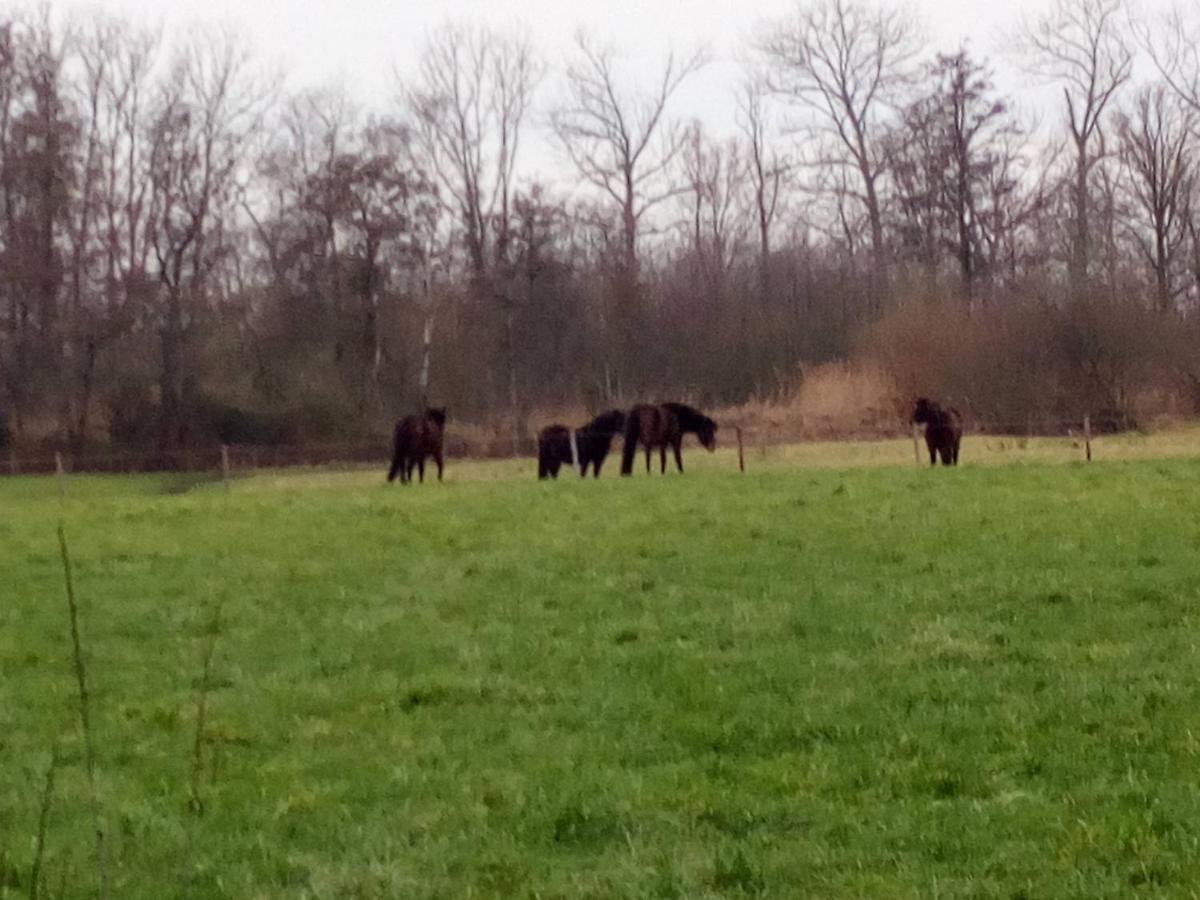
(39, 851)
(85, 718)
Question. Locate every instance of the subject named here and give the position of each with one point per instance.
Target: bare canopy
(845, 61)
(621, 144)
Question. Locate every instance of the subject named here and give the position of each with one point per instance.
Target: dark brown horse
(560, 446)
(943, 430)
(415, 438)
(664, 426)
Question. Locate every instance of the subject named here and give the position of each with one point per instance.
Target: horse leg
(596, 464)
(932, 451)
(954, 458)
(437, 458)
(647, 459)
(662, 454)
(678, 455)
(945, 451)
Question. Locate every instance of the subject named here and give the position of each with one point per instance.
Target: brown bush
(1031, 366)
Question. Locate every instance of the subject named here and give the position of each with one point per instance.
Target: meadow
(835, 675)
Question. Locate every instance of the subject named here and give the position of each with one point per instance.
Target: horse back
(405, 432)
(654, 424)
(554, 437)
(954, 421)
(419, 435)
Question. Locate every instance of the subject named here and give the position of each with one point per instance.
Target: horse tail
(397, 454)
(633, 430)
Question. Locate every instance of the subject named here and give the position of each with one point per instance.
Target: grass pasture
(837, 675)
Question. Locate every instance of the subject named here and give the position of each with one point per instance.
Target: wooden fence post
(225, 465)
(916, 431)
(1087, 437)
(61, 475)
(741, 451)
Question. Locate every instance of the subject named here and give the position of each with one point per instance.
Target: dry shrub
(835, 400)
(1031, 367)
(842, 398)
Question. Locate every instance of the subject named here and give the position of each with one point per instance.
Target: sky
(363, 42)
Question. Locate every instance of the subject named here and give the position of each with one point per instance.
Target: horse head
(706, 431)
(924, 412)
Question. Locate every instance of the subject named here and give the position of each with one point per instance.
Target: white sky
(361, 42)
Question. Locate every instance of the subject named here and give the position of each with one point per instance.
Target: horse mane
(690, 418)
(437, 415)
(934, 413)
(611, 422)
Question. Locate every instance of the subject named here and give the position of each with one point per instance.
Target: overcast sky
(361, 42)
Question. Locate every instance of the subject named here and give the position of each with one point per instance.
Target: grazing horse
(943, 430)
(417, 437)
(664, 426)
(559, 445)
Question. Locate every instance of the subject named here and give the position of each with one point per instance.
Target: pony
(943, 430)
(559, 445)
(664, 426)
(415, 438)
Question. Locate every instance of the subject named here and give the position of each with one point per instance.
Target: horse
(559, 445)
(415, 438)
(664, 426)
(943, 430)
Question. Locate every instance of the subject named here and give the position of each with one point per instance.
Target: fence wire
(238, 457)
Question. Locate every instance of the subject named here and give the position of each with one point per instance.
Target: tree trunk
(170, 431)
(426, 344)
(1078, 268)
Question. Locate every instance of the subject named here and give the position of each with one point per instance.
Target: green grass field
(805, 681)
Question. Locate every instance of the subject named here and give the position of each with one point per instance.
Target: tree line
(190, 252)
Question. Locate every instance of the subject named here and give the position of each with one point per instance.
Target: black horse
(559, 445)
(415, 438)
(664, 426)
(943, 430)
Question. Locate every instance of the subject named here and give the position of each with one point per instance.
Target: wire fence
(230, 458)
(199, 459)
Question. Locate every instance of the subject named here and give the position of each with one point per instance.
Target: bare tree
(768, 171)
(1173, 43)
(469, 99)
(105, 244)
(209, 108)
(620, 144)
(1080, 45)
(1155, 138)
(943, 156)
(38, 136)
(845, 61)
(623, 145)
(714, 173)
